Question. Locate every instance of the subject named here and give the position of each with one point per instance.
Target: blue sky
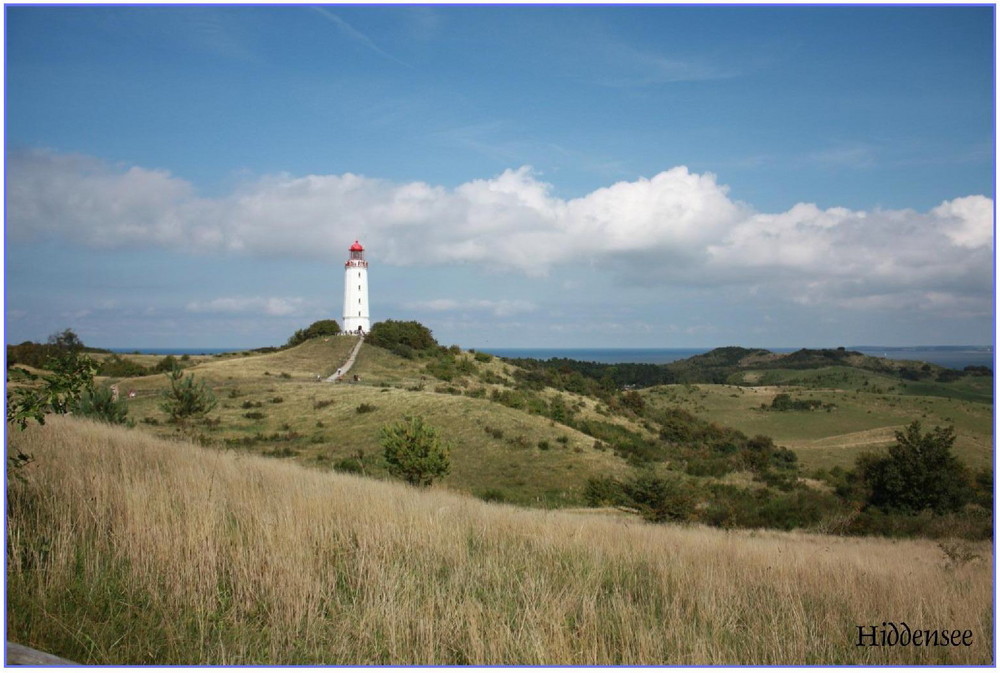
(559, 176)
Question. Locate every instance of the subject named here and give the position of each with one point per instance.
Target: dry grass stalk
(124, 549)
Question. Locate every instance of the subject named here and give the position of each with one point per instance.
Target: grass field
(127, 549)
(273, 404)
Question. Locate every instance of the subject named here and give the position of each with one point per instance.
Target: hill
(550, 436)
(273, 404)
(125, 549)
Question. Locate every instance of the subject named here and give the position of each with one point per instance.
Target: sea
(954, 357)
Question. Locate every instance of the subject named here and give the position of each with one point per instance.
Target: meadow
(864, 412)
(125, 548)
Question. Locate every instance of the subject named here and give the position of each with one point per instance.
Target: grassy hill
(854, 420)
(128, 549)
(273, 404)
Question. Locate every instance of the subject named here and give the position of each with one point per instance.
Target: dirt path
(339, 374)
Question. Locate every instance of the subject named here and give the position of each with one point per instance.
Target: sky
(520, 176)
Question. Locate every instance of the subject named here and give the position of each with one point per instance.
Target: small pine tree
(414, 451)
(186, 399)
(99, 404)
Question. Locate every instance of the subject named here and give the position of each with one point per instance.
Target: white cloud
(271, 306)
(674, 229)
(502, 308)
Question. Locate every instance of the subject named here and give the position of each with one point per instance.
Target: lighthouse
(356, 317)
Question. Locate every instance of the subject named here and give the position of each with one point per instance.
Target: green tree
(72, 375)
(920, 472)
(186, 399)
(414, 451)
(66, 340)
(317, 329)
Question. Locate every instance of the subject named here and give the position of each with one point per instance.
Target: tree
(72, 376)
(920, 472)
(186, 399)
(317, 329)
(414, 451)
(66, 340)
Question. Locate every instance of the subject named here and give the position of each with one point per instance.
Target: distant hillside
(725, 365)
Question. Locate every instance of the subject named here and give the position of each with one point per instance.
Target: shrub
(365, 408)
(390, 334)
(120, 367)
(604, 491)
(543, 445)
(483, 357)
(350, 465)
(414, 451)
(919, 472)
(492, 495)
(254, 415)
(99, 404)
(167, 364)
(317, 329)
(659, 499)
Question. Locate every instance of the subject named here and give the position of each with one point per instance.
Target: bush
(365, 408)
(660, 499)
(167, 364)
(919, 473)
(492, 495)
(254, 415)
(317, 329)
(120, 367)
(349, 465)
(99, 404)
(391, 334)
(604, 491)
(414, 451)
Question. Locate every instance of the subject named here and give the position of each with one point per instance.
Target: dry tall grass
(123, 549)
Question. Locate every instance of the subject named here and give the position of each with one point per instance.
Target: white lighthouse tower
(356, 291)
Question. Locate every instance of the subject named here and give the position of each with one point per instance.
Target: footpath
(339, 374)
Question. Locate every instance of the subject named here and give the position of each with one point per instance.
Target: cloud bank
(675, 228)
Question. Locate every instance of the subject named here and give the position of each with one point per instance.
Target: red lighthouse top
(357, 259)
